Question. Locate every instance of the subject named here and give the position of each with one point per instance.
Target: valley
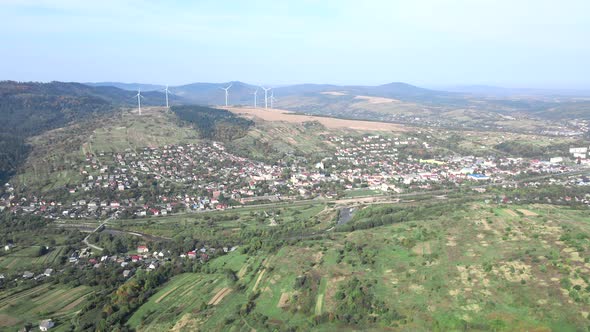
(236, 218)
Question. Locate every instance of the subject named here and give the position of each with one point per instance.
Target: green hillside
(477, 267)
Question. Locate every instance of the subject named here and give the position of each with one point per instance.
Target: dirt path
(242, 271)
(219, 296)
(158, 300)
(73, 304)
(527, 213)
(258, 280)
(511, 213)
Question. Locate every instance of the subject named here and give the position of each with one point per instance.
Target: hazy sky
(513, 43)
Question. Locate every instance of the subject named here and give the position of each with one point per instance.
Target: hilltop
(476, 107)
(30, 109)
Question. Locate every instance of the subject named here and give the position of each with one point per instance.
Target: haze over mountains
(242, 92)
(358, 101)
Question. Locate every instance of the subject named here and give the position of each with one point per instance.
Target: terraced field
(25, 258)
(187, 297)
(40, 302)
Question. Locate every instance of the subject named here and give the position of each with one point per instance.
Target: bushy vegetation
(357, 305)
(531, 150)
(392, 214)
(213, 123)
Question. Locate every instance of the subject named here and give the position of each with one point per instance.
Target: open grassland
(482, 267)
(18, 306)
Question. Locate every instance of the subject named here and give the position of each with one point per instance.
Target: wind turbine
(167, 92)
(265, 96)
(272, 98)
(255, 93)
(139, 96)
(226, 93)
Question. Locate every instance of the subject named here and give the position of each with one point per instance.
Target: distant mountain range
(242, 93)
(495, 91)
(350, 100)
(129, 86)
(203, 92)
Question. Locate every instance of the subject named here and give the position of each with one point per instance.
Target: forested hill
(213, 123)
(30, 108)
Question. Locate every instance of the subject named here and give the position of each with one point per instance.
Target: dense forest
(29, 109)
(213, 123)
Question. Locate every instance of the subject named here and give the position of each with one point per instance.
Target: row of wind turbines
(266, 99)
(139, 96)
(255, 93)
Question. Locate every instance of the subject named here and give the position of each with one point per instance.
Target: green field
(211, 225)
(25, 258)
(482, 267)
(361, 193)
(22, 305)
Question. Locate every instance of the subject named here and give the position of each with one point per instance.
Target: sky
(509, 43)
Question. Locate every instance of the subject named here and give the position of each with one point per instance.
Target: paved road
(101, 226)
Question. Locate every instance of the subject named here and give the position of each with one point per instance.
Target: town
(157, 181)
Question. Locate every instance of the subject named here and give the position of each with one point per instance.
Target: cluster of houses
(375, 160)
(207, 177)
(143, 258)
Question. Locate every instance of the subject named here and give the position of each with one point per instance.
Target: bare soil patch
(332, 123)
(451, 241)
(377, 100)
(6, 320)
(258, 279)
(511, 213)
(422, 248)
(333, 93)
(527, 213)
(186, 323)
(158, 300)
(284, 300)
(514, 271)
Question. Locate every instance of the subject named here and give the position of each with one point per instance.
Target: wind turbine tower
(255, 93)
(139, 96)
(167, 92)
(226, 93)
(272, 99)
(265, 96)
